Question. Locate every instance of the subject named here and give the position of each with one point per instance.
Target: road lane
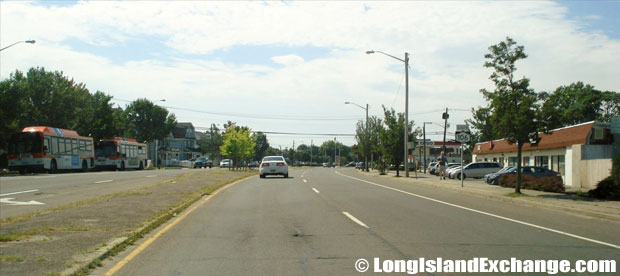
(60, 189)
(429, 229)
(272, 226)
(322, 225)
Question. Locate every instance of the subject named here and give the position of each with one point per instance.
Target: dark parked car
(202, 162)
(537, 172)
(493, 178)
(253, 164)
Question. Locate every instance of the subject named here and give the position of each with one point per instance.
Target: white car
(475, 170)
(226, 163)
(273, 165)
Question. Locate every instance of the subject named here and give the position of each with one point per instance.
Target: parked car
(432, 167)
(253, 164)
(202, 162)
(493, 178)
(273, 165)
(351, 164)
(226, 163)
(449, 166)
(475, 170)
(535, 171)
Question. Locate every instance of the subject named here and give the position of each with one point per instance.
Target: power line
(263, 116)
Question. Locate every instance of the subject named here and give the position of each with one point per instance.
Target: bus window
(75, 147)
(61, 145)
(68, 146)
(46, 145)
(89, 146)
(54, 145)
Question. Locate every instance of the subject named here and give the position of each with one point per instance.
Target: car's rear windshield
(275, 158)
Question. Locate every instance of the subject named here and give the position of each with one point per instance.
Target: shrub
(608, 188)
(546, 184)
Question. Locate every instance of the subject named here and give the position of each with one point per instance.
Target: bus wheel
(122, 166)
(141, 166)
(84, 166)
(53, 167)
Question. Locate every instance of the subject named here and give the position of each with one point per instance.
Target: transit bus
(119, 153)
(43, 148)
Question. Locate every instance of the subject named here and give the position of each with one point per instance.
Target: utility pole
(445, 116)
(424, 141)
(406, 114)
(310, 152)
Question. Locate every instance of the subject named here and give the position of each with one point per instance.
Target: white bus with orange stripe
(43, 148)
(119, 153)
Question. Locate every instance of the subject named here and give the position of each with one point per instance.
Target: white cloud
(288, 59)
(446, 40)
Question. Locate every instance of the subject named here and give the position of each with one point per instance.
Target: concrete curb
(91, 260)
(520, 201)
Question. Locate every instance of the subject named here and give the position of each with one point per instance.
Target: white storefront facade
(581, 153)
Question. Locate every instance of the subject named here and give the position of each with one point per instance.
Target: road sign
(615, 125)
(462, 128)
(463, 137)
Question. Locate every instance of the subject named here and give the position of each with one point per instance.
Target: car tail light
(264, 165)
(279, 164)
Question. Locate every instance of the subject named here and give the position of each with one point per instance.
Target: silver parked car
(475, 170)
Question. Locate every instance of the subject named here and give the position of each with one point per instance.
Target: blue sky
(305, 59)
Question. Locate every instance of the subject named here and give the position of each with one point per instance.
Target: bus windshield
(25, 142)
(105, 149)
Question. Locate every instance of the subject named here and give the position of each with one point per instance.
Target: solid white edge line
(151, 175)
(22, 192)
(354, 219)
(103, 181)
(489, 214)
(316, 191)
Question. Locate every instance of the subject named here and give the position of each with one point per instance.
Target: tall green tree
(43, 98)
(210, 145)
(261, 145)
(610, 105)
(513, 105)
(12, 102)
(102, 119)
(147, 121)
(392, 137)
(572, 104)
(238, 144)
(482, 126)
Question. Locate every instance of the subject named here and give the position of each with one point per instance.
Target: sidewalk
(572, 204)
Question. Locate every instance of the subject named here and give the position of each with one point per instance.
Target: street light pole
(23, 41)
(365, 130)
(157, 143)
(406, 61)
(406, 114)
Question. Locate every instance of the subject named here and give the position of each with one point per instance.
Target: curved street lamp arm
(26, 41)
(373, 51)
(355, 105)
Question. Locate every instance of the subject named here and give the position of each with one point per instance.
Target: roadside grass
(13, 237)
(514, 195)
(21, 218)
(12, 258)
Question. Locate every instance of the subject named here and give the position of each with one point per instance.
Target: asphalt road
(23, 194)
(320, 221)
